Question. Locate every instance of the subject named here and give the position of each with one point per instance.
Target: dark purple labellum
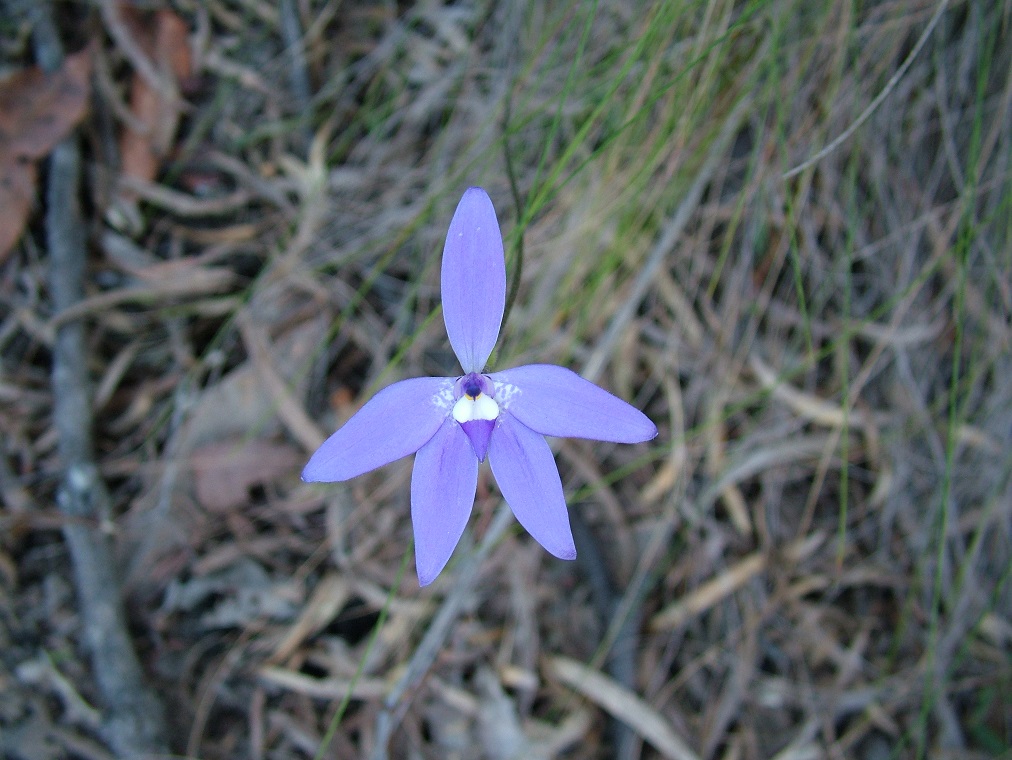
(479, 432)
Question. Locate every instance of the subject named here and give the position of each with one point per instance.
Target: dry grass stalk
(813, 559)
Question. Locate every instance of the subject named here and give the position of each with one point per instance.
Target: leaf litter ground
(812, 560)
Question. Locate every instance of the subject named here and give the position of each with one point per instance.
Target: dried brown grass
(811, 561)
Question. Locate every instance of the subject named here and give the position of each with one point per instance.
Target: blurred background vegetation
(779, 227)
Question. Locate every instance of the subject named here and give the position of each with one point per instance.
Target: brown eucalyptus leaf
(165, 40)
(225, 471)
(37, 109)
(17, 189)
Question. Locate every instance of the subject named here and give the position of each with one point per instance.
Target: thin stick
(669, 236)
(467, 573)
(298, 67)
(133, 723)
(518, 203)
(893, 81)
(137, 57)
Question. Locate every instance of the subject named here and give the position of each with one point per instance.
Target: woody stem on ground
(394, 704)
(134, 724)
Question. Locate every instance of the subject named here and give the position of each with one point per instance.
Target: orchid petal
(525, 470)
(479, 432)
(473, 280)
(397, 421)
(555, 401)
(443, 484)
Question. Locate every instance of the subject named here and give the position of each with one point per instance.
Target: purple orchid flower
(454, 423)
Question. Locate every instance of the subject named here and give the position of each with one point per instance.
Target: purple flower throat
(475, 409)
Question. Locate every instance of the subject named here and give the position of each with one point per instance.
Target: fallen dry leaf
(625, 705)
(225, 471)
(242, 399)
(37, 110)
(17, 189)
(164, 38)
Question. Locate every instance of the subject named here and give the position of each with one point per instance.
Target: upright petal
(443, 483)
(525, 470)
(473, 280)
(395, 422)
(555, 401)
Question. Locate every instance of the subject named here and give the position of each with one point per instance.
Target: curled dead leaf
(17, 189)
(37, 110)
(225, 471)
(145, 143)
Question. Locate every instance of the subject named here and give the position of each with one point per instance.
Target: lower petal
(525, 470)
(443, 484)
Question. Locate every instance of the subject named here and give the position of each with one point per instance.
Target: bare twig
(621, 662)
(134, 723)
(439, 629)
(138, 58)
(867, 112)
(183, 204)
(517, 259)
(298, 67)
(624, 704)
(672, 232)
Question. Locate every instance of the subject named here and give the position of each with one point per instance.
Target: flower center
(472, 388)
(480, 407)
(476, 410)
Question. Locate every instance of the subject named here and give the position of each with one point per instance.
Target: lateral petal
(555, 401)
(395, 422)
(473, 280)
(525, 470)
(443, 484)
